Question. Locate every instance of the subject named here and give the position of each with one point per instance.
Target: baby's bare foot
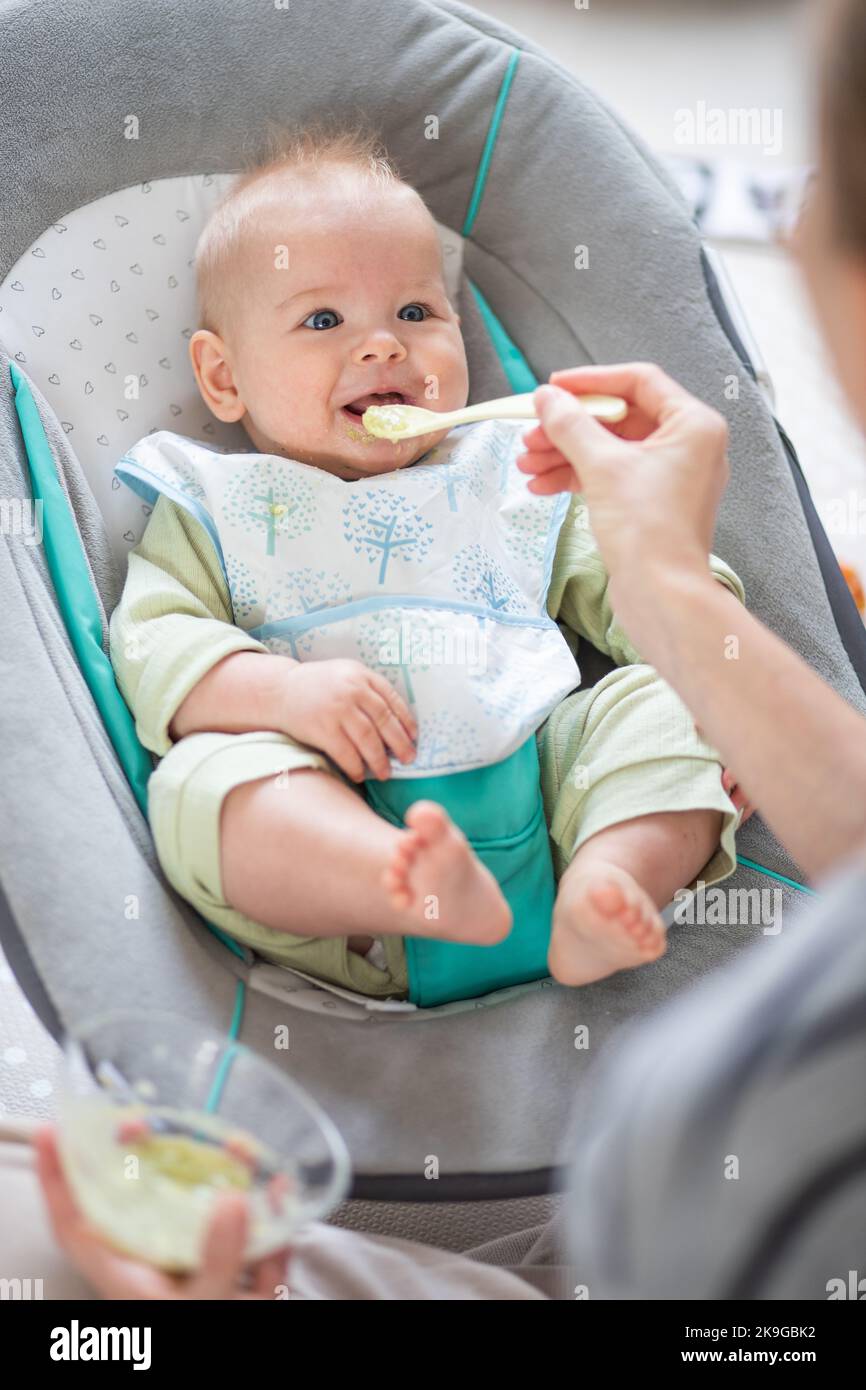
(436, 877)
(603, 921)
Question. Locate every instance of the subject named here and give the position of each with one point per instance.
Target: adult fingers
(270, 1273)
(573, 432)
(540, 459)
(63, 1214)
(561, 479)
(642, 384)
(222, 1256)
(111, 1273)
(536, 441)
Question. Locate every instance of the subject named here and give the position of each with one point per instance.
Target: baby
(321, 292)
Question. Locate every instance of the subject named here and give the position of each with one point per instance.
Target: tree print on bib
(392, 642)
(381, 525)
(479, 578)
(444, 740)
(300, 592)
(243, 590)
(270, 500)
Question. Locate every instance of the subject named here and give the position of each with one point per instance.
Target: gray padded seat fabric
(487, 1090)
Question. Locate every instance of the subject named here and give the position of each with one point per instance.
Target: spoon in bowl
(399, 422)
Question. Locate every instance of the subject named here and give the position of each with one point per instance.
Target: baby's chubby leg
(304, 853)
(606, 914)
(636, 810)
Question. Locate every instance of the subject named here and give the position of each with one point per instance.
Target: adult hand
(652, 482)
(120, 1276)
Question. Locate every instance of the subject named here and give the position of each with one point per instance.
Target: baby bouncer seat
(122, 125)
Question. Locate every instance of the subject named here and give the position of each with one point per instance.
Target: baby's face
(342, 297)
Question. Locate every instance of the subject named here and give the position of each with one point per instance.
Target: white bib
(434, 575)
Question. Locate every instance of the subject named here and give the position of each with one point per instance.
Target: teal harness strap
(492, 134)
(518, 371)
(79, 609)
(771, 873)
(514, 364)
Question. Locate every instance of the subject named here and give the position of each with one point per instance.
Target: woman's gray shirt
(721, 1143)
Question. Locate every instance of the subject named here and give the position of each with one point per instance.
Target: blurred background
(650, 59)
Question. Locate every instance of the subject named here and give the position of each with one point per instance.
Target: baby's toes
(631, 914)
(649, 933)
(395, 876)
(608, 897)
(396, 885)
(427, 819)
(407, 848)
(645, 930)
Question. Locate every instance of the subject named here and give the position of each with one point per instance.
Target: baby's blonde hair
(318, 146)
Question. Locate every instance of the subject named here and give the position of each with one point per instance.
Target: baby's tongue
(387, 398)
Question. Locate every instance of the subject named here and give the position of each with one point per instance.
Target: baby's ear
(214, 377)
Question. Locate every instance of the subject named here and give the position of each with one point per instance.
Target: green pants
(505, 799)
(625, 748)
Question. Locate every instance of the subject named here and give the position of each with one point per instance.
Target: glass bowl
(159, 1115)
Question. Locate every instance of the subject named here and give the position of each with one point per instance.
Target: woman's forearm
(797, 748)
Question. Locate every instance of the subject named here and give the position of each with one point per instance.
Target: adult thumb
(567, 425)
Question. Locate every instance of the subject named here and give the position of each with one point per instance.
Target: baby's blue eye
(422, 307)
(318, 314)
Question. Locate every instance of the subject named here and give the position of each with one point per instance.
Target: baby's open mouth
(357, 407)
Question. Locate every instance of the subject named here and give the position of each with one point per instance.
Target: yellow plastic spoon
(398, 422)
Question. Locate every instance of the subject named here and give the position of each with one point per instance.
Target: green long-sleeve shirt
(174, 620)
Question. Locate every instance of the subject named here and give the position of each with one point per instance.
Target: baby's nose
(381, 346)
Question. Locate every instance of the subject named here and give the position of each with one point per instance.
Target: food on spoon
(386, 421)
(358, 409)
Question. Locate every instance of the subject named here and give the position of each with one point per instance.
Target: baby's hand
(349, 712)
(731, 785)
(737, 795)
